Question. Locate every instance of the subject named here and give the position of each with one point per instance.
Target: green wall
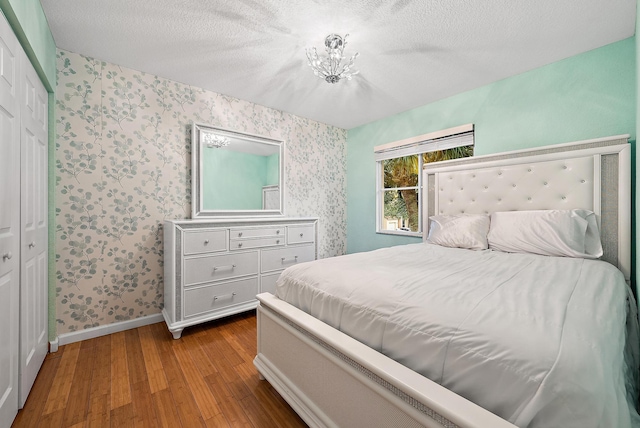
(586, 96)
(273, 170)
(29, 23)
(233, 180)
(634, 251)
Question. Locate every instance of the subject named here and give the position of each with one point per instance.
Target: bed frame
(332, 380)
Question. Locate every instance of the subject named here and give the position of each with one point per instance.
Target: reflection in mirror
(236, 174)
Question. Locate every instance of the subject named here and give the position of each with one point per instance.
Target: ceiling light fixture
(330, 68)
(214, 140)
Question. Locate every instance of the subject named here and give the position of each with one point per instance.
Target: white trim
(624, 213)
(424, 137)
(217, 221)
(104, 330)
(597, 186)
(53, 345)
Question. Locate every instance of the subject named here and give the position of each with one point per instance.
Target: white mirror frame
(197, 208)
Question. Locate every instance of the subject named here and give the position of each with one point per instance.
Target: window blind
(413, 147)
(444, 143)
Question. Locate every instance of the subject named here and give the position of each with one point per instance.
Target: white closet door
(33, 189)
(9, 223)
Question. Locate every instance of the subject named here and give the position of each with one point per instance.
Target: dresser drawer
(199, 300)
(282, 258)
(301, 234)
(256, 232)
(268, 283)
(205, 241)
(213, 268)
(243, 244)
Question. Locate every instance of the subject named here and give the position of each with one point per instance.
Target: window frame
(415, 146)
(380, 189)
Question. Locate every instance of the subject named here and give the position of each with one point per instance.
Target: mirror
(235, 174)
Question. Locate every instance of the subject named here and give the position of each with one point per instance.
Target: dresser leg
(177, 333)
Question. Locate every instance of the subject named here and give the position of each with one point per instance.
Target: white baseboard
(103, 330)
(53, 345)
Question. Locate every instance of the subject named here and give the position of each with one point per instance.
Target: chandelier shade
(330, 68)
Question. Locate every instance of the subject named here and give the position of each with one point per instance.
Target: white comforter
(540, 341)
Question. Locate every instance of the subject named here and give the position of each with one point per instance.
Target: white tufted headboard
(593, 175)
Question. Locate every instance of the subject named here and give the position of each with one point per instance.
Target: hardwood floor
(144, 378)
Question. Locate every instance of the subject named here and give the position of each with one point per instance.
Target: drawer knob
(32, 244)
(277, 232)
(215, 268)
(239, 234)
(277, 241)
(227, 295)
(240, 245)
(7, 256)
(206, 241)
(301, 235)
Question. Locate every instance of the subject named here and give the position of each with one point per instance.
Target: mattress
(539, 341)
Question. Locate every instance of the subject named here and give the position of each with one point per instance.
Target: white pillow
(565, 233)
(459, 231)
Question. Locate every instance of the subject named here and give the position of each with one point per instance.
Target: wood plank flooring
(144, 378)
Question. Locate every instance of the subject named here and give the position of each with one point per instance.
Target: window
(399, 182)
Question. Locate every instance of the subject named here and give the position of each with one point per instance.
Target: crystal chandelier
(330, 68)
(214, 140)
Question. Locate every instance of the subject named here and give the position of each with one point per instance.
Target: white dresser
(214, 268)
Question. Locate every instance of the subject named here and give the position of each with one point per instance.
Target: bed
(499, 337)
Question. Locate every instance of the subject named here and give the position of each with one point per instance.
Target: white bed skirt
(332, 380)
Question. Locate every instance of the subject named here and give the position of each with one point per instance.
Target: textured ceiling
(412, 52)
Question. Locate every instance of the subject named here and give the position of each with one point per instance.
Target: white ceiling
(412, 52)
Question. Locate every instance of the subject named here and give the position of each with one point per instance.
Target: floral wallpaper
(123, 167)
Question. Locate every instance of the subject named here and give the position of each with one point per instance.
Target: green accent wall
(29, 23)
(587, 96)
(636, 156)
(273, 170)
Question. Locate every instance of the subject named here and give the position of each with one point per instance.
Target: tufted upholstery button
(442, 190)
(564, 167)
(545, 183)
(499, 199)
(514, 185)
(473, 176)
(486, 187)
(564, 197)
(528, 199)
(583, 181)
(473, 200)
(486, 212)
(500, 173)
(529, 170)
(462, 188)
